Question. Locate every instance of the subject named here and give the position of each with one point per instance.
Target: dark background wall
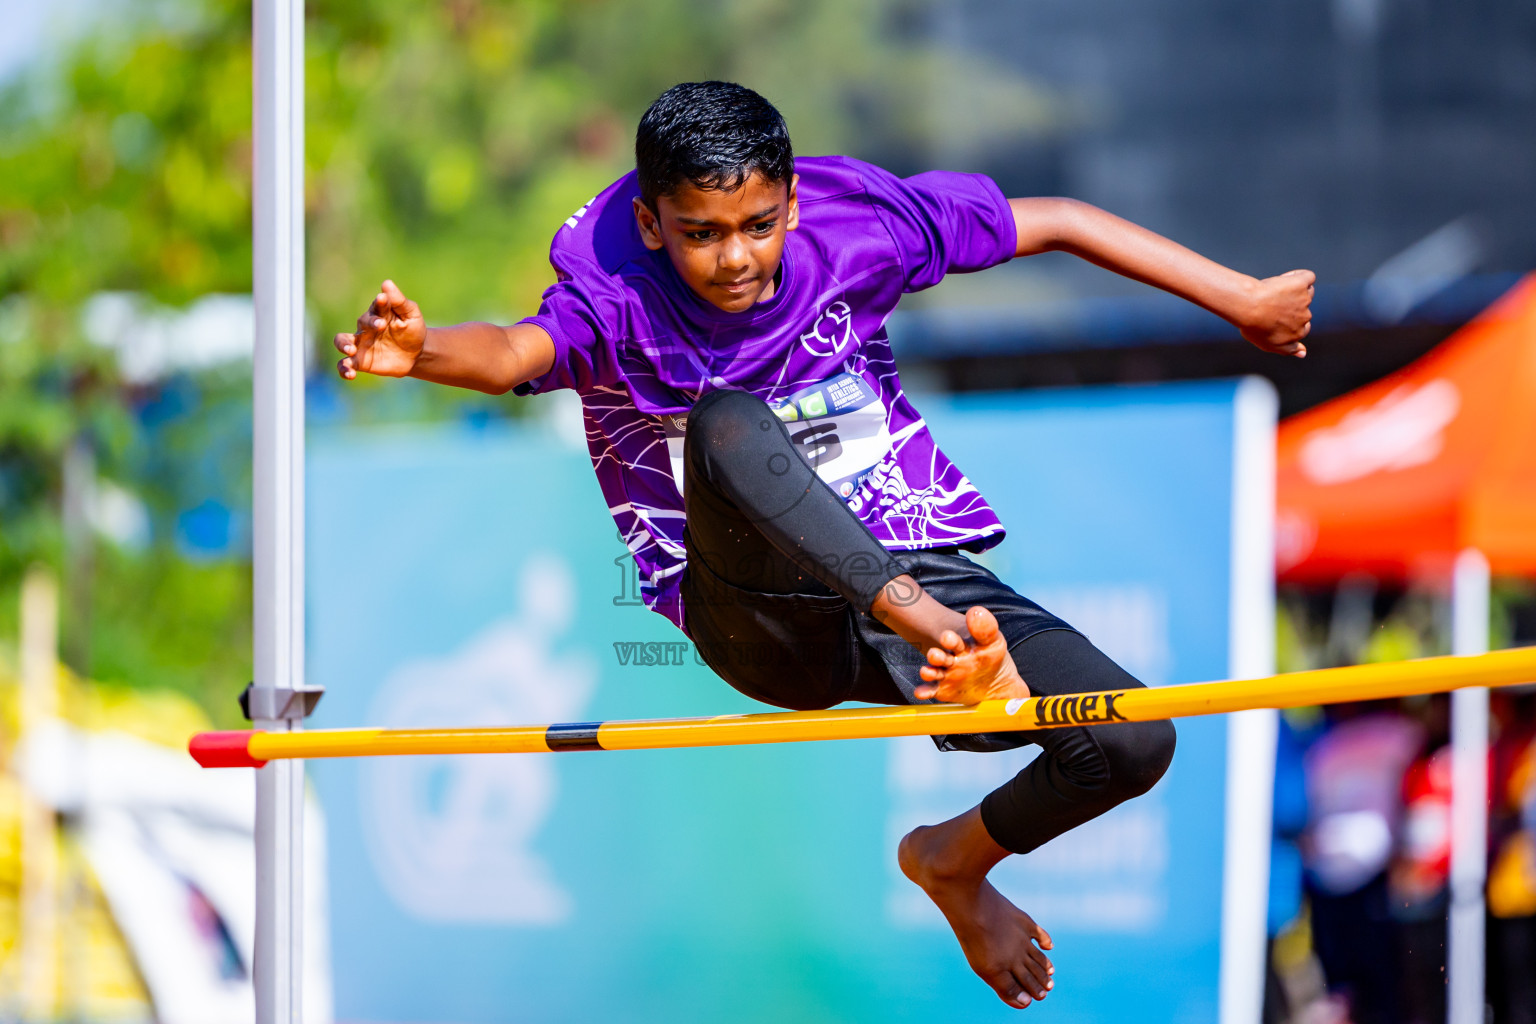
(1328, 134)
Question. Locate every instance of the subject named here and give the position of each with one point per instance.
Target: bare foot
(950, 863)
(969, 672)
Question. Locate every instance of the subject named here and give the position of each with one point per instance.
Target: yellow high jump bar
(253, 748)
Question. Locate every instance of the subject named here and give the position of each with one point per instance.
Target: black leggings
(780, 566)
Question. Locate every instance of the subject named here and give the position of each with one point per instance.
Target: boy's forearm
(484, 357)
(1066, 225)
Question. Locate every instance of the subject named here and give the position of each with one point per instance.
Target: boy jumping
(721, 312)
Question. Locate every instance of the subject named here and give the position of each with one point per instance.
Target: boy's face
(725, 245)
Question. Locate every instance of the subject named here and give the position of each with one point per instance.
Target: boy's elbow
(499, 387)
(530, 354)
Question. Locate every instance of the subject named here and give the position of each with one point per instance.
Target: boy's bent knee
(727, 417)
(1138, 755)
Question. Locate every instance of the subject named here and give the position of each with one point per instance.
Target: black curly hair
(713, 135)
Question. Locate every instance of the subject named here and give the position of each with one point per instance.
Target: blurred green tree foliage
(446, 140)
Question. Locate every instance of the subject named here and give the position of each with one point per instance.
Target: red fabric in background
(1397, 477)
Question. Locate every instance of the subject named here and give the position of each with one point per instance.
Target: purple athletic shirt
(640, 347)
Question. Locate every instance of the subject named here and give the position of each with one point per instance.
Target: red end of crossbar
(224, 749)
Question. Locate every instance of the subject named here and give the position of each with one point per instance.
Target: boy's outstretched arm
(1274, 313)
(393, 340)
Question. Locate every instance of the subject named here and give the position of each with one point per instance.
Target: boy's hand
(1280, 313)
(388, 340)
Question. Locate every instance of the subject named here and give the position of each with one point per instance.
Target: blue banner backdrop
(474, 577)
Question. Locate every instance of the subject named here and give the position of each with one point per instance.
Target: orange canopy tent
(1398, 477)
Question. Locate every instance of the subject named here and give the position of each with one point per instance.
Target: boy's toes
(1012, 992)
(982, 625)
(1032, 976)
(952, 641)
(1041, 964)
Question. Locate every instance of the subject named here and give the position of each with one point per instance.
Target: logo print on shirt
(830, 334)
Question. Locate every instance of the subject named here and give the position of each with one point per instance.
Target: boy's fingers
(346, 370)
(403, 307)
(345, 343)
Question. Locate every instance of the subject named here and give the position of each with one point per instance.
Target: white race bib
(838, 424)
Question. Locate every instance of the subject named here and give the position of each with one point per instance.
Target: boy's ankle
(932, 859)
(909, 612)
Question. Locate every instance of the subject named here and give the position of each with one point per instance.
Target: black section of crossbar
(573, 736)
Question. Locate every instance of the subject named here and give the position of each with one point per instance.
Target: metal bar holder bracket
(284, 703)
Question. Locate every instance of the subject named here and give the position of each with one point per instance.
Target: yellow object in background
(62, 956)
(1512, 882)
(93, 977)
